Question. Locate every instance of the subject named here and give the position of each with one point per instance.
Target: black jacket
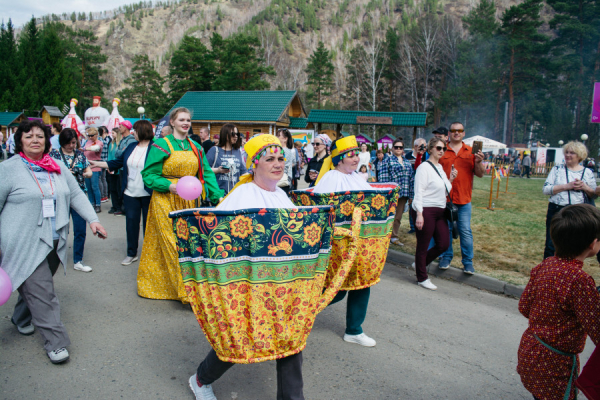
(121, 162)
(314, 165)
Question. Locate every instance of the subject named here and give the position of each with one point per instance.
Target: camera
(422, 147)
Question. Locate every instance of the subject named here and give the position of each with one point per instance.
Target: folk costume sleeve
(152, 172)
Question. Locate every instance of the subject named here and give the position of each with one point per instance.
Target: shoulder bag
(451, 208)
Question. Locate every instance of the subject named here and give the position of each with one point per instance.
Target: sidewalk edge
(479, 281)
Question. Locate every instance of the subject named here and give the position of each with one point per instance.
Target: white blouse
(430, 189)
(336, 181)
(364, 159)
(135, 165)
(558, 176)
(249, 195)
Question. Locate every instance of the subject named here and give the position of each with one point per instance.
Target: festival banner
(596, 104)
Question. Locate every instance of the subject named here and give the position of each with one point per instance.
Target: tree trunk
(511, 99)
(497, 113)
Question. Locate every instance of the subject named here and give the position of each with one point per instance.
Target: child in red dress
(562, 305)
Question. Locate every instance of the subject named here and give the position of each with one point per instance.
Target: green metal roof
(266, 105)
(298, 123)
(369, 138)
(349, 117)
(7, 118)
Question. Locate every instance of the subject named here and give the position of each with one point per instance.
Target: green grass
(508, 242)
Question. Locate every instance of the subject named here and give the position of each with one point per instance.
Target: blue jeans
(466, 238)
(79, 228)
(93, 188)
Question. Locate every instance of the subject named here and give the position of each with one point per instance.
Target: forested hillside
(457, 60)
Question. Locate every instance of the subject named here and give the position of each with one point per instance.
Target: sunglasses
(399, 147)
(317, 144)
(457, 130)
(440, 148)
(235, 134)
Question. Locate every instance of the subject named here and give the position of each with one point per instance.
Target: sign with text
(596, 104)
(374, 120)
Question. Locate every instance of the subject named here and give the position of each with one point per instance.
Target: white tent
(488, 144)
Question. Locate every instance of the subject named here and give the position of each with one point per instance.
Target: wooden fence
(537, 171)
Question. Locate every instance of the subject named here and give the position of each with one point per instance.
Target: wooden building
(251, 111)
(10, 120)
(51, 115)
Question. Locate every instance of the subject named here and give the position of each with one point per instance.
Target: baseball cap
(441, 130)
(126, 124)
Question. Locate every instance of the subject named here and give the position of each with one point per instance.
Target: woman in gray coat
(35, 197)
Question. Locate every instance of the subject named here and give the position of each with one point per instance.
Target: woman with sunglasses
(226, 159)
(321, 148)
(338, 174)
(93, 152)
(429, 210)
(398, 169)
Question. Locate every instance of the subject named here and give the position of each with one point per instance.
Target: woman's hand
(420, 221)
(173, 188)
(98, 230)
(313, 175)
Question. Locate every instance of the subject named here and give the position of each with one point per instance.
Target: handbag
(284, 181)
(451, 208)
(586, 199)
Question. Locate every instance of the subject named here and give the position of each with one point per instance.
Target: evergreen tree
(27, 89)
(8, 66)
(320, 72)
(525, 49)
(240, 63)
(145, 89)
(192, 68)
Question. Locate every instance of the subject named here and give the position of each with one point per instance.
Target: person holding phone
(467, 165)
(93, 152)
(36, 195)
(428, 209)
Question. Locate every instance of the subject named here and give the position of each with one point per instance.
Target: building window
(256, 130)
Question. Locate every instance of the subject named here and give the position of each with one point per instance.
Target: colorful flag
(497, 174)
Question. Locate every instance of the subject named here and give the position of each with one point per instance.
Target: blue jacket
(121, 162)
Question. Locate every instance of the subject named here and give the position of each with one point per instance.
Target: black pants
(435, 225)
(553, 209)
(526, 171)
(289, 374)
(136, 208)
(114, 187)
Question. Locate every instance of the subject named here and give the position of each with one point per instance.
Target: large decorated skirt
(377, 208)
(256, 278)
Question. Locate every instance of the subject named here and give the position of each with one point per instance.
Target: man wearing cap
(127, 138)
(441, 133)
(526, 165)
(459, 156)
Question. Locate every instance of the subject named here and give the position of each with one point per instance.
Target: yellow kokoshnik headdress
(339, 149)
(256, 148)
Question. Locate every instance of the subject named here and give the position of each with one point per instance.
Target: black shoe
(112, 210)
(119, 213)
(98, 209)
(411, 231)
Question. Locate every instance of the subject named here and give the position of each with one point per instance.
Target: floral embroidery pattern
(182, 230)
(241, 226)
(377, 208)
(256, 297)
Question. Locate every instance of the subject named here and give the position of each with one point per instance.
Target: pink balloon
(189, 188)
(5, 287)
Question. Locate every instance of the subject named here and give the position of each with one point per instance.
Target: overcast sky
(20, 11)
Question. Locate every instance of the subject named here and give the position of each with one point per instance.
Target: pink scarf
(46, 162)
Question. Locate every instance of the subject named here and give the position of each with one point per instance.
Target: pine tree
(8, 66)
(320, 72)
(145, 89)
(192, 68)
(27, 90)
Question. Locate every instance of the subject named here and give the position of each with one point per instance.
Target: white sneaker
(397, 242)
(83, 268)
(428, 285)
(58, 356)
(203, 392)
(128, 260)
(361, 339)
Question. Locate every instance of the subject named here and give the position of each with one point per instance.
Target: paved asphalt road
(456, 343)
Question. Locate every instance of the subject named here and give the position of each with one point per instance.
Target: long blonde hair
(117, 136)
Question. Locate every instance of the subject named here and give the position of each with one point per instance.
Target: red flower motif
(243, 289)
(262, 212)
(222, 326)
(280, 292)
(270, 304)
(295, 311)
(259, 345)
(278, 328)
(296, 301)
(234, 304)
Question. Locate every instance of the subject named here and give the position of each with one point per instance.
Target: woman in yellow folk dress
(169, 159)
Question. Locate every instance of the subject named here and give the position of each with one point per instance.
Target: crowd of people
(56, 174)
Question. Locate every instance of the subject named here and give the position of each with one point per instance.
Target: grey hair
(419, 141)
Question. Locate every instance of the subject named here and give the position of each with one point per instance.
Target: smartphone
(100, 235)
(477, 146)
(225, 165)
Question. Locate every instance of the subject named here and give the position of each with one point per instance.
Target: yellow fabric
(159, 275)
(254, 146)
(325, 168)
